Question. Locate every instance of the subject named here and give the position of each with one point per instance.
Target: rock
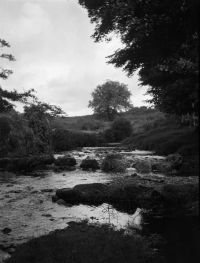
(84, 193)
(69, 195)
(114, 163)
(143, 166)
(59, 169)
(65, 161)
(134, 175)
(6, 230)
(55, 198)
(161, 167)
(46, 190)
(175, 160)
(167, 200)
(4, 256)
(61, 202)
(89, 164)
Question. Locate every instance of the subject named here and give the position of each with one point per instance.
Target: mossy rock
(90, 164)
(114, 163)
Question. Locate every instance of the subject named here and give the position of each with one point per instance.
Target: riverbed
(27, 210)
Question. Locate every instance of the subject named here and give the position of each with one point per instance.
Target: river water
(27, 210)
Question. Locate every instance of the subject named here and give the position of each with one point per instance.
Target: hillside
(90, 123)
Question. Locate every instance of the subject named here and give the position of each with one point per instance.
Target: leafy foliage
(161, 39)
(64, 140)
(110, 98)
(39, 116)
(121, 128)
(7, 96)
(4, 73)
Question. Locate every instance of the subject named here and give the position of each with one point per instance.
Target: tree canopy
(110, 98)
(160, 38)
(7, 96)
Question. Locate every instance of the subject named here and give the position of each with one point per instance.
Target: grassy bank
(83, 243)
(166, 138)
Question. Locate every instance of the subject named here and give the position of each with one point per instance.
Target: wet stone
(6, 230)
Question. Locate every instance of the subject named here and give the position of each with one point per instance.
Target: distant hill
(139, 116)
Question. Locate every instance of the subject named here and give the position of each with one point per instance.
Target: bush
(64, 140)
(113, 163)
(120, 129)
(26, 164)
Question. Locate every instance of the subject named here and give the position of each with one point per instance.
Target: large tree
(160, 38)
(7, 97)
(110, 98)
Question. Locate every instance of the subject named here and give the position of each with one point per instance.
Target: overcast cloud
(55, 54)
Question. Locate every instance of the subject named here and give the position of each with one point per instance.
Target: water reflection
(27, 209)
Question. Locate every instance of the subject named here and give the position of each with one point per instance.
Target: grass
(84, 243)
(90, 123)
(167, 138)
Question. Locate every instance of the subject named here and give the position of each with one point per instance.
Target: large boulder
(162, 167)
(90, 164)
(168, 200)
(65, 161)
(85, 193)
(114, 163)
(175, 160)
(143, 166)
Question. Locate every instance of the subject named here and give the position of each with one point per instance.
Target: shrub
(64, 140)
(26, 164)
(121, 128)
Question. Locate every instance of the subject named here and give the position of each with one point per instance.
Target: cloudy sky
(55, 55)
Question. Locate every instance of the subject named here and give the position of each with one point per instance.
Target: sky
(56, 56)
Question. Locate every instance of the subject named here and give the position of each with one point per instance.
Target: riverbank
(85, 243)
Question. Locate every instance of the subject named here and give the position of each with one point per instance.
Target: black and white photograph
(99, 131)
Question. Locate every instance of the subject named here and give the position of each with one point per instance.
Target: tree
(110, 98)
(121, 128)
(7, 96)
(160, 38)
(39, 117)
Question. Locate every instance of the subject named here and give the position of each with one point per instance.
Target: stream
(26, 206)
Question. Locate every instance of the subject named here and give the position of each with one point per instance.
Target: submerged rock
(6, 230)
